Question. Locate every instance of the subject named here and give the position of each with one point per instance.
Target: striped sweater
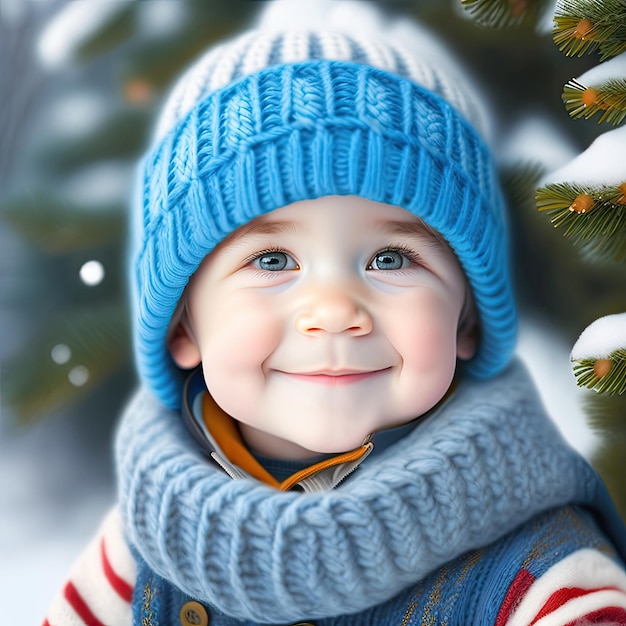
(585, 587)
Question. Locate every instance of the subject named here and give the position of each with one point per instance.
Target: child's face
(324, 321)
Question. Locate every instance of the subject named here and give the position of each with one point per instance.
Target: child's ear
(467, 342)
(183, 347)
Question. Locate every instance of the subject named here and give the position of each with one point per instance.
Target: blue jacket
(475, 589)
(442, 523)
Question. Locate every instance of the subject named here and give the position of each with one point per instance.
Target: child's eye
(390, 260)
(274, 261)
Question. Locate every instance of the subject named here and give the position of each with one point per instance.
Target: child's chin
(331, 445)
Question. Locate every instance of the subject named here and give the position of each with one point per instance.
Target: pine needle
(601, 230)
(614, 46)
(605, 415)
(503, 13)
(612, 382)
(520, 182)
(611, 249)
(582, 27)
(608, 99)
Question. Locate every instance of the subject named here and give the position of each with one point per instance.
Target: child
(320, 228)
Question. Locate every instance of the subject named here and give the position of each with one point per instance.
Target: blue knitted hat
(272, 118)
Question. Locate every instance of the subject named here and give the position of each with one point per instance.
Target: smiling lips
(336, 377)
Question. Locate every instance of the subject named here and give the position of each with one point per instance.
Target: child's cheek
(423, 333)
(245, 331)
(423, 328)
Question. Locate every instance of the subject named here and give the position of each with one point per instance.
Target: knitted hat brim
(302, 131)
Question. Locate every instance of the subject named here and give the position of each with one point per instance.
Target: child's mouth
(336, 377)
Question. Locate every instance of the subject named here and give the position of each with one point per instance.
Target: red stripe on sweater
(609, 614)
(563, 595)
(121, 587)
(514, 595)
(80, 606)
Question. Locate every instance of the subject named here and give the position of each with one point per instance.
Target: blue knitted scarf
(477, 467)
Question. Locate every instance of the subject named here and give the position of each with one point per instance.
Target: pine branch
(582, 27)
(520, 182)
(606, 419)
(608, 99)
(606, 415)
(58, 227)
(115, 30)
(612, 249)
(504, 13)
(616, 45)
(606, 375)
(608, 460)
(593, 218)
(68, 358)
(119, 136)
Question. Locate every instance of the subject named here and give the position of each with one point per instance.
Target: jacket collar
(218, 437)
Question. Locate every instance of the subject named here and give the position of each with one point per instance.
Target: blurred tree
(586, 201)
(69, 199)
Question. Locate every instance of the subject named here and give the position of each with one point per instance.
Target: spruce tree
(586, 199)
(69, 202)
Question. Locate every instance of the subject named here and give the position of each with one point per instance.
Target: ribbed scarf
(480, 465)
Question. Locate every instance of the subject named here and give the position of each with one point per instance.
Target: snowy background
(56, 475)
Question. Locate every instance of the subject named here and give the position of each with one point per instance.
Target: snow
(546, 356)
(601, 338)
(545, 24)
(75, 114)
(160, 17)
(98, 186)
(603, 163)
(534, 139)
(615, 69)
(72, 26)
(54, 490)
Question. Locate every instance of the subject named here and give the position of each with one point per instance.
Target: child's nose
(332, 311)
